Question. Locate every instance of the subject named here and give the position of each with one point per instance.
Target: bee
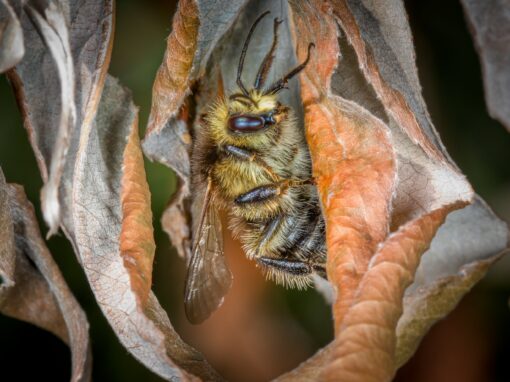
(250, 158)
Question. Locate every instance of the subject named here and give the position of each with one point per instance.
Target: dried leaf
(58, 84)
(33, 288)
(469, 242)
(114, 237)
(365, 346)
(11, 37)
(427, 185)
(489, 23)
(51, 25)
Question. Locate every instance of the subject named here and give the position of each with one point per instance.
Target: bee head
(245, 113)
(247, 122)
(253, 113)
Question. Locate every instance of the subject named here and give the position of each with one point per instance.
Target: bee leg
(262, 193)
(238, 152)
(296, 183)
(259, 194)
(293, 267)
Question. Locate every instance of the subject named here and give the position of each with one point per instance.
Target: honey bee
(250, 158)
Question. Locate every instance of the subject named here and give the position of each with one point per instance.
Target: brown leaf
(489, 23)
(354, 165)
(33, 288)
(427, 184)
(364, 349)
(11, 37)
(58, 84)
(114, 238)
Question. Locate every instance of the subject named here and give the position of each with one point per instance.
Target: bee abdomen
(299, 235)
(309, 242)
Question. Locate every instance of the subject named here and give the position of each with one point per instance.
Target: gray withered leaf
(388, 188)
(489, 23)
(114, 239)
(58, 84)
(32, 288)
(11, 37)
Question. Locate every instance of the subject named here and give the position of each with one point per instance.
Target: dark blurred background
(472, 344)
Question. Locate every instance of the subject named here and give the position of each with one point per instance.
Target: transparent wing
(208, 278)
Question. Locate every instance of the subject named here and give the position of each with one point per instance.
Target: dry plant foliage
(407, 236)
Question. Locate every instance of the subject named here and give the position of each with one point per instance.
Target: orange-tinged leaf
(353, 164)
(364, 349)
(376, 76)
(137, 245)
(355, 193)
(113, 231)
(173, 79)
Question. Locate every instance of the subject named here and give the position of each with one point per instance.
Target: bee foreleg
(294, 267)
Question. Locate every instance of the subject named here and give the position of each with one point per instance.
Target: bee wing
(208, 278)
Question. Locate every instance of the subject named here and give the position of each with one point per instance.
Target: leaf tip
(50, 208)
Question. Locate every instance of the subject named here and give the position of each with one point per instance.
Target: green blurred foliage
(450, 74)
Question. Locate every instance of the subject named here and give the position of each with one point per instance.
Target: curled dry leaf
(114, 237)
(32, 287)
(427, 187)
(469, 242)
(11, 37)
(58, 84)
(386, 182)
(108, 220)
(50, 23)
(489, 22)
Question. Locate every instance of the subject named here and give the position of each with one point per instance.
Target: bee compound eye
(246, 123)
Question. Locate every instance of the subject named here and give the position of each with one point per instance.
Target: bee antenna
(265, 66)
(282, 83)
(243, 53)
